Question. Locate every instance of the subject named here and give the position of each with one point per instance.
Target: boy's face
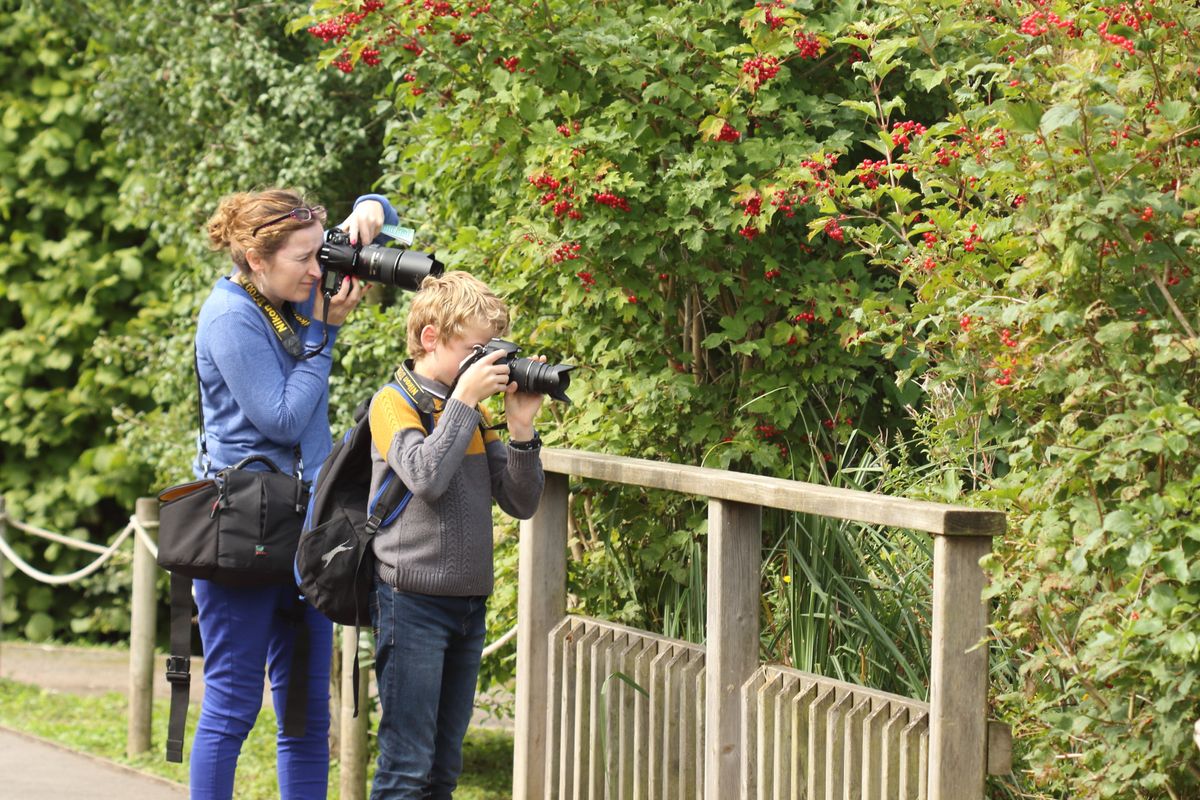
(443, 356)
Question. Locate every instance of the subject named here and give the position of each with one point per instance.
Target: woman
(265, 391)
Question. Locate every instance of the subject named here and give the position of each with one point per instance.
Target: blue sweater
(257, 399)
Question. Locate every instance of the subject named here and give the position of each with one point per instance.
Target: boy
(434, 562)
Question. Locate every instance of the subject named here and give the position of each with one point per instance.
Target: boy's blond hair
(451, 302)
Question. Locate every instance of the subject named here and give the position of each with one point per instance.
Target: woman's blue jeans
(244, 632)
(427, 653)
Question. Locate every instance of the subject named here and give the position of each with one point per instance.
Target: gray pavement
(35, 769)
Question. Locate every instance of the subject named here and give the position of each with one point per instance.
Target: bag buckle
(179, 669)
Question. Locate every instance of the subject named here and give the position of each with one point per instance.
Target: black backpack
(335, 564)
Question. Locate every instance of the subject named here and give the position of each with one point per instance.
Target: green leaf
(1059, 116)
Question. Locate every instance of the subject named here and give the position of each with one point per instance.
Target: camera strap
(279, 323)
(426, 400)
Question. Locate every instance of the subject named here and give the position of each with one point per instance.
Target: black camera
(530, 376)
(372, 262)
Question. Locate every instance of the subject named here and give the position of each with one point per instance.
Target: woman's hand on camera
(341, 304)
(520, 408)
(482, 379)
(364, 222)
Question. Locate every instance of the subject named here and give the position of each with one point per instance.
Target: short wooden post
(3, 531)
(142, 622)
(353, 755)
(959, 679)
(541, 604)
(731, 638)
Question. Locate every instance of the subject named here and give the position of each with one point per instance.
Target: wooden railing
(956, 757)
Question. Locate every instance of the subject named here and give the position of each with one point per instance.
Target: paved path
(35, 769)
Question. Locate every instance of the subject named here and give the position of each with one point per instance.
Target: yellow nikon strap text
(287, 337)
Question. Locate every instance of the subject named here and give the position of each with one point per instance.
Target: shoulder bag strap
(179, 663)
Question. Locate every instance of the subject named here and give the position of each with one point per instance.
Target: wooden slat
(600, 646)
(751, 690)
(835, 737)
(852, 752)
(893, 731)
(781, 778)
(809, 498)
(585, 683)
(873, 760)
(818, 716)
(805, 695)
(554, 709)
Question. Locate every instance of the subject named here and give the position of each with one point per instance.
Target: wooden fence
(714, 722)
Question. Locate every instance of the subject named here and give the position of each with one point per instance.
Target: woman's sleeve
(280, 405)
(390, 217)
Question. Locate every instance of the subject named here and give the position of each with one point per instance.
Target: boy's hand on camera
(342, 303)
(520, 408)
(364, 222)
(482, 379)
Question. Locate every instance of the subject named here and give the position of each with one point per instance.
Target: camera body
(373, 262)
(530, 376)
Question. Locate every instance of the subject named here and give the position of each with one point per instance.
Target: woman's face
(290, 274)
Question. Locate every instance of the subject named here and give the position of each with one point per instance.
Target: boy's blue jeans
(427, 653)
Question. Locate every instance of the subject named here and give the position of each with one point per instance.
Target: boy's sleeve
(517, 477)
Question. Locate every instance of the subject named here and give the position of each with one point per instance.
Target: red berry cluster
(749, 232)
(567, 251)
(729, 134)
(808, 44)
(761, 69)
(440, 8)
(871, 173)
(804, 316)
(834, 231)
(611, 200)
(1006, 338)
(1038, 23)
(460, 38)
(510, 64)
(566, 130)
(784, 200)
(903, 131)
(964, 322)
(335, 29)
(772, 274)
(752, 205)
(971, 240)
(586, 279)
(773, 22)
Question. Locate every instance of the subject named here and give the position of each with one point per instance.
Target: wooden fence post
(959, 679)
(731, 638)
(541, 604)
(354, 751)
(142, 621)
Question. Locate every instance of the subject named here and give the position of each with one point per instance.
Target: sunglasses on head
(302, 214)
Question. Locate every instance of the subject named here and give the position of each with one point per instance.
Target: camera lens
(403, 268)
(538, 378)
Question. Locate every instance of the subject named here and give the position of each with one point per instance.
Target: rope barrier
(54, 537)
(144, 537)
(58, 580)
(503, 640)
